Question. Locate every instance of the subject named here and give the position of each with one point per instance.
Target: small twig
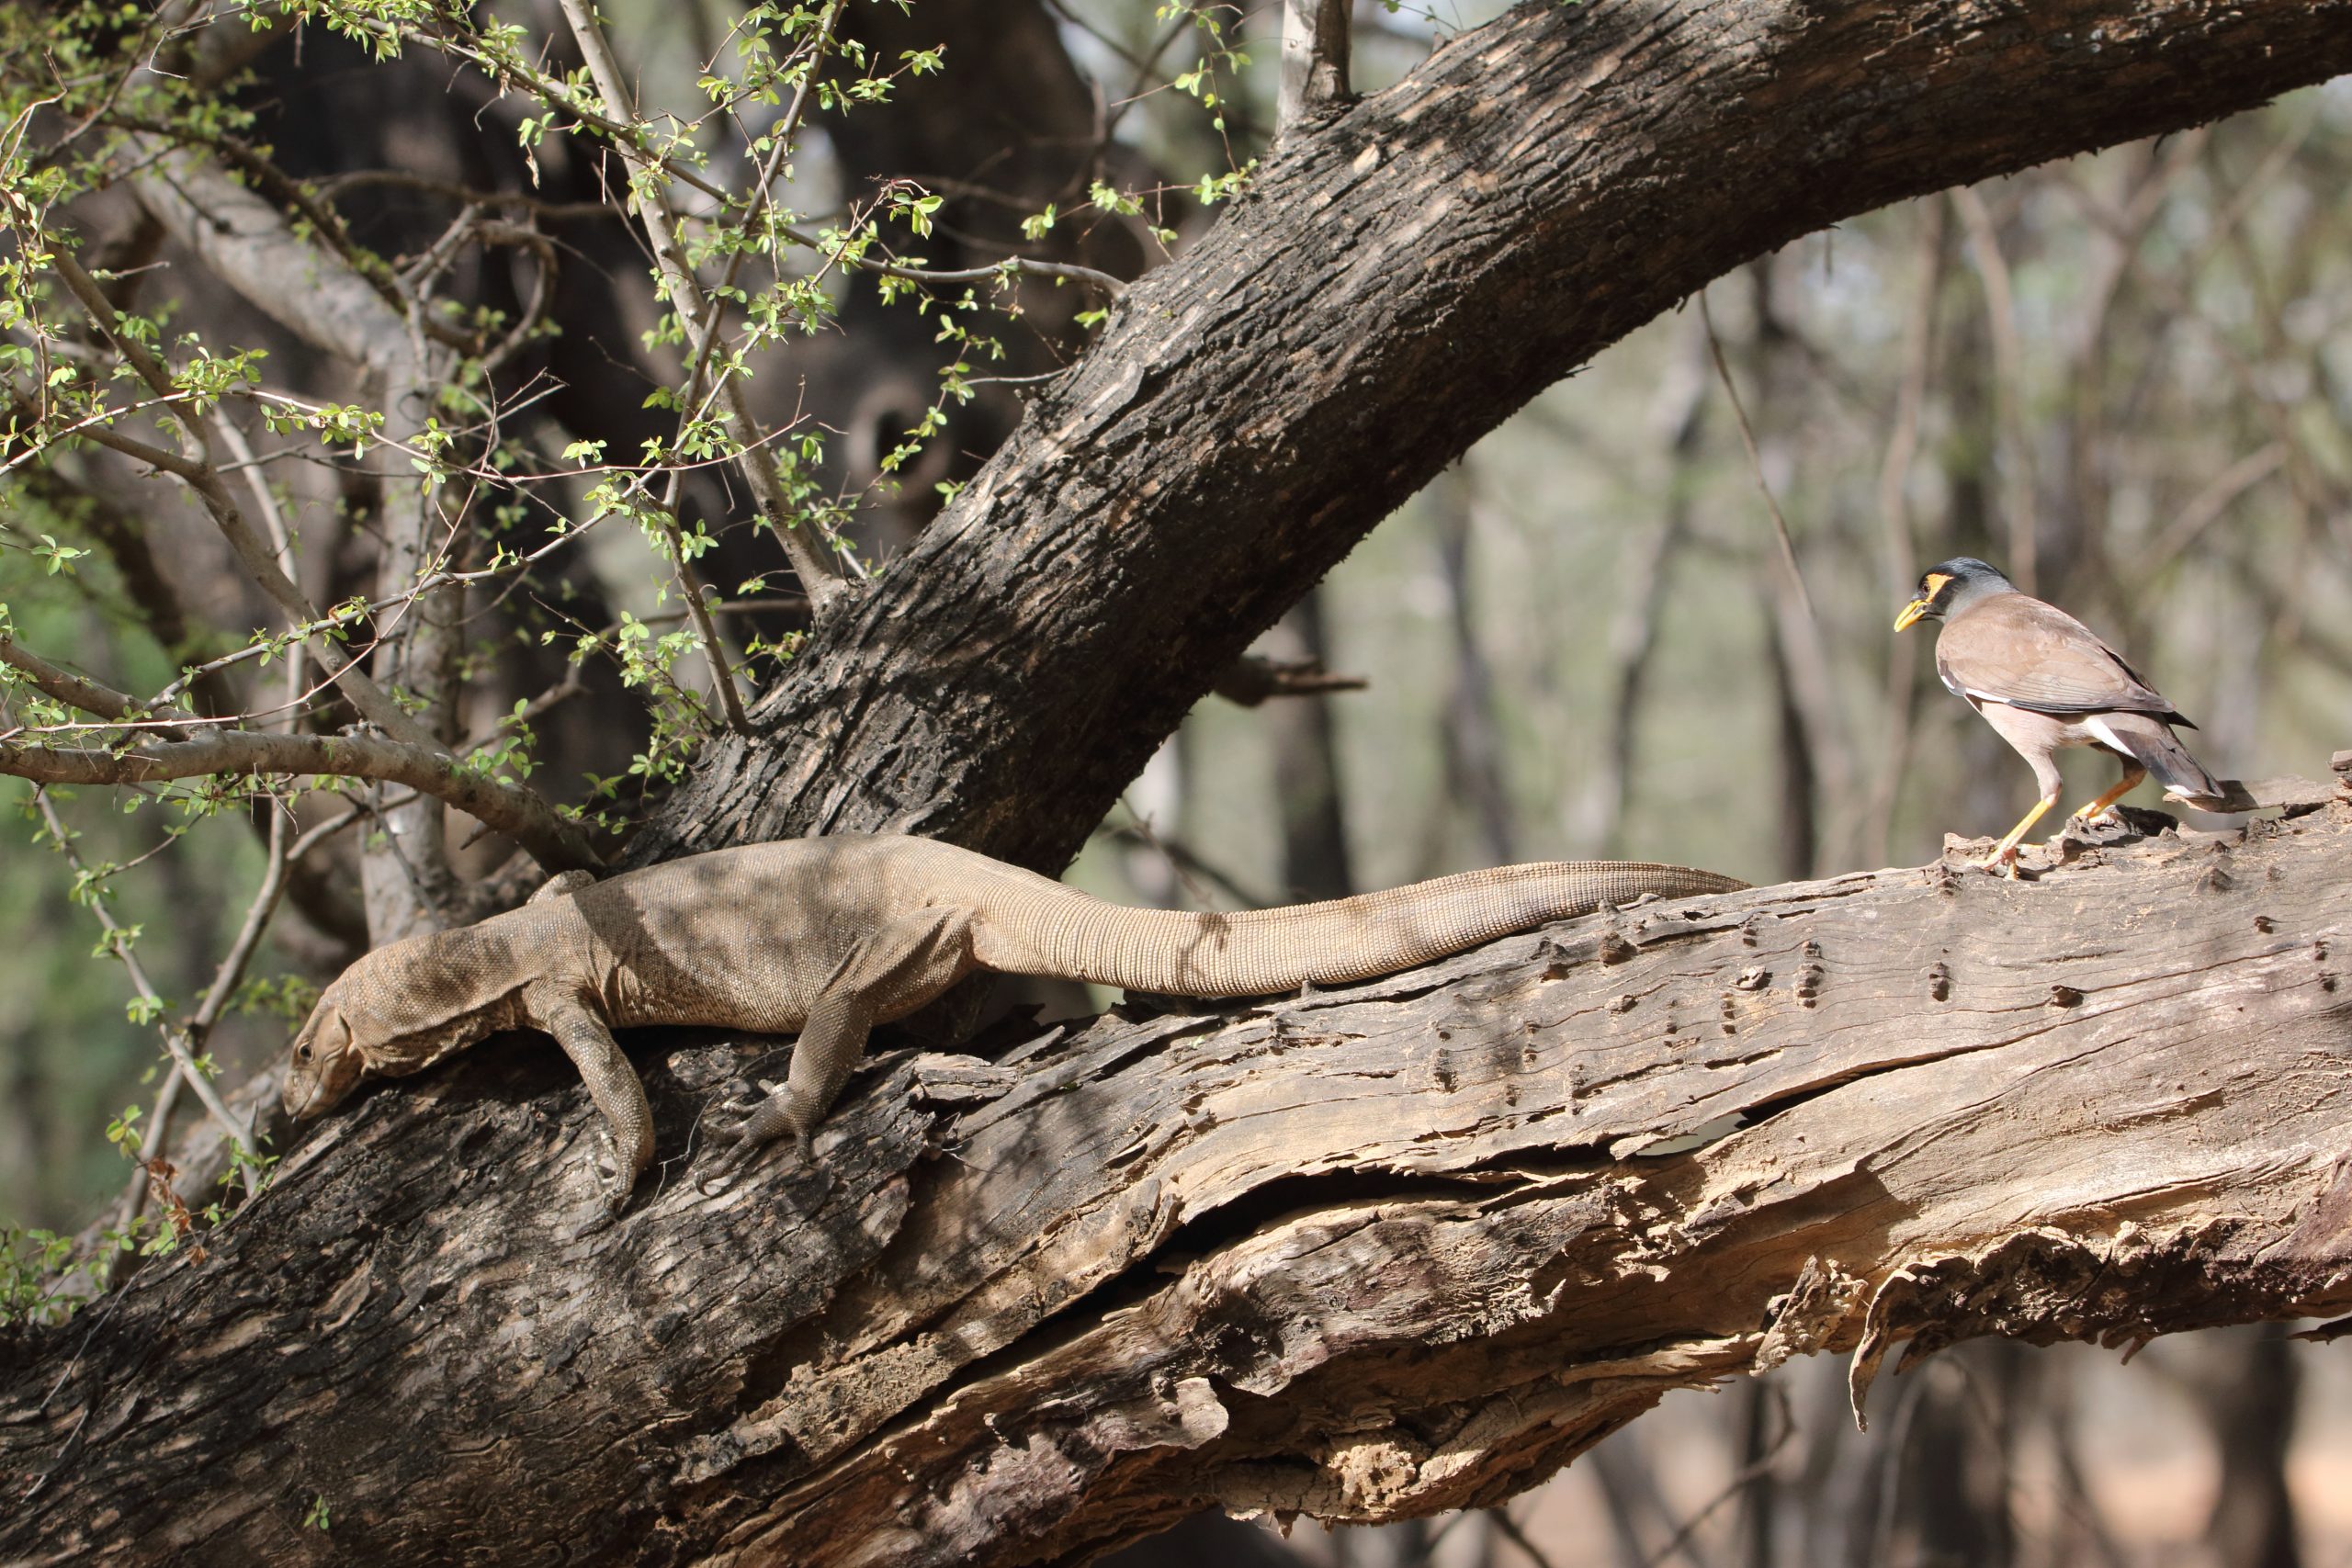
(2207, 505)
(1510, 1532)
(650, 199)
(175, 1040)
(73, 691)
(201, 477)
(1759, 1466)
(1894, 527)
(1756, 463)
(519, 814)
(1183, 861)
(151, 1146)
(2008, 378)
(1254, 678)
(1115, 287)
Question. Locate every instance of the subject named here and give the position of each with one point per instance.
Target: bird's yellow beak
(1911, 611)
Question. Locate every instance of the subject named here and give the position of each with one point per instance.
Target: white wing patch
(2099, 726)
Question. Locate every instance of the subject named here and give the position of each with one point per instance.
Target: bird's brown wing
(2015, 649)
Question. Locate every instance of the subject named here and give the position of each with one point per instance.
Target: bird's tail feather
(2155, 748)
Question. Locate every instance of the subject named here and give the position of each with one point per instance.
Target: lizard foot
(614, 1178)
(762, 1125)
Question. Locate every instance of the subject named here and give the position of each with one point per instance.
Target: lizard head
(325, 1065)
(397, 1010)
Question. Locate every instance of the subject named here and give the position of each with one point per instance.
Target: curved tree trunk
(1370, 1253)
(1401, 277)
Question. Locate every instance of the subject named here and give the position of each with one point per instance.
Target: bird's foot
(2003, 860)
(2105, 817)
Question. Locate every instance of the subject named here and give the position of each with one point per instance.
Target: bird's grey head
(1949, 587)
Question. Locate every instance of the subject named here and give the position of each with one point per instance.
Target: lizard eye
(303, 1052)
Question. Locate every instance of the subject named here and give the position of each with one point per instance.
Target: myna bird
(2045, 681)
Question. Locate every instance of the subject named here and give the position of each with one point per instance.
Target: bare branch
(2009, 384)
(73, 691)
(649, 198)
(517, 813)
(202, 476)
(1254, 678)
(118, 941)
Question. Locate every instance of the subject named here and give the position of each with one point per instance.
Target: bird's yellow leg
(2124, 787)
(2008, 848)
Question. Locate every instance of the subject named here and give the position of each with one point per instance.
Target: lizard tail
(1261, 952)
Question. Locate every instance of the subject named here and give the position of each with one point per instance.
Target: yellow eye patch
(1933, 584)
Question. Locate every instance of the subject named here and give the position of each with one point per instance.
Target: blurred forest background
(2126, 379)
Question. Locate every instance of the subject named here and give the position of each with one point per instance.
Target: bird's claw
(2003, 861)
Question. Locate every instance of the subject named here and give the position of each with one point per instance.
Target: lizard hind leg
(886, 975)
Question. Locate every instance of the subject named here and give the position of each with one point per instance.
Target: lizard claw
(766, 1120)
(615, 1179)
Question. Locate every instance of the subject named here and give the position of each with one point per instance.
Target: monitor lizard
(830, 936)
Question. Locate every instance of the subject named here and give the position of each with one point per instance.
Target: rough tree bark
(1377, 1251)
(1369, 1253)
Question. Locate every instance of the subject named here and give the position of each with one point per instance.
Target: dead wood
(1401, 1246)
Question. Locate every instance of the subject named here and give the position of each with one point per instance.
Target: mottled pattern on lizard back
(828, 937)
(739, 939)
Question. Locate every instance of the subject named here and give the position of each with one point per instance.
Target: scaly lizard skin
(828, 937)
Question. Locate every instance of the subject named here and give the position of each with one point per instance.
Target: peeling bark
(1369, 1253)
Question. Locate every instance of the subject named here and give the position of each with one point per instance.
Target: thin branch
(175, 1040)
(2207, 505)
(412, 752)
(1510, 1530)
(73, 691)
(1795, 578)
(650, 199)
(519, 814)
(150, 1148)
(1895, 528)
(1759, 1466)
(1114, 287)
(2008, 383)
(1181, 860)
(1254, 678)
(259, 561)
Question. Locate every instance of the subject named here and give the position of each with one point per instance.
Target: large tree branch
(1401, 277)
(247, 245)
(1377, 1251)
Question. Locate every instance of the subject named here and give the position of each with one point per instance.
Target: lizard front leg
(628, 1121)
(887, 975)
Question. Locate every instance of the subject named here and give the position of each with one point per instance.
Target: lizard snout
(318, 1067)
